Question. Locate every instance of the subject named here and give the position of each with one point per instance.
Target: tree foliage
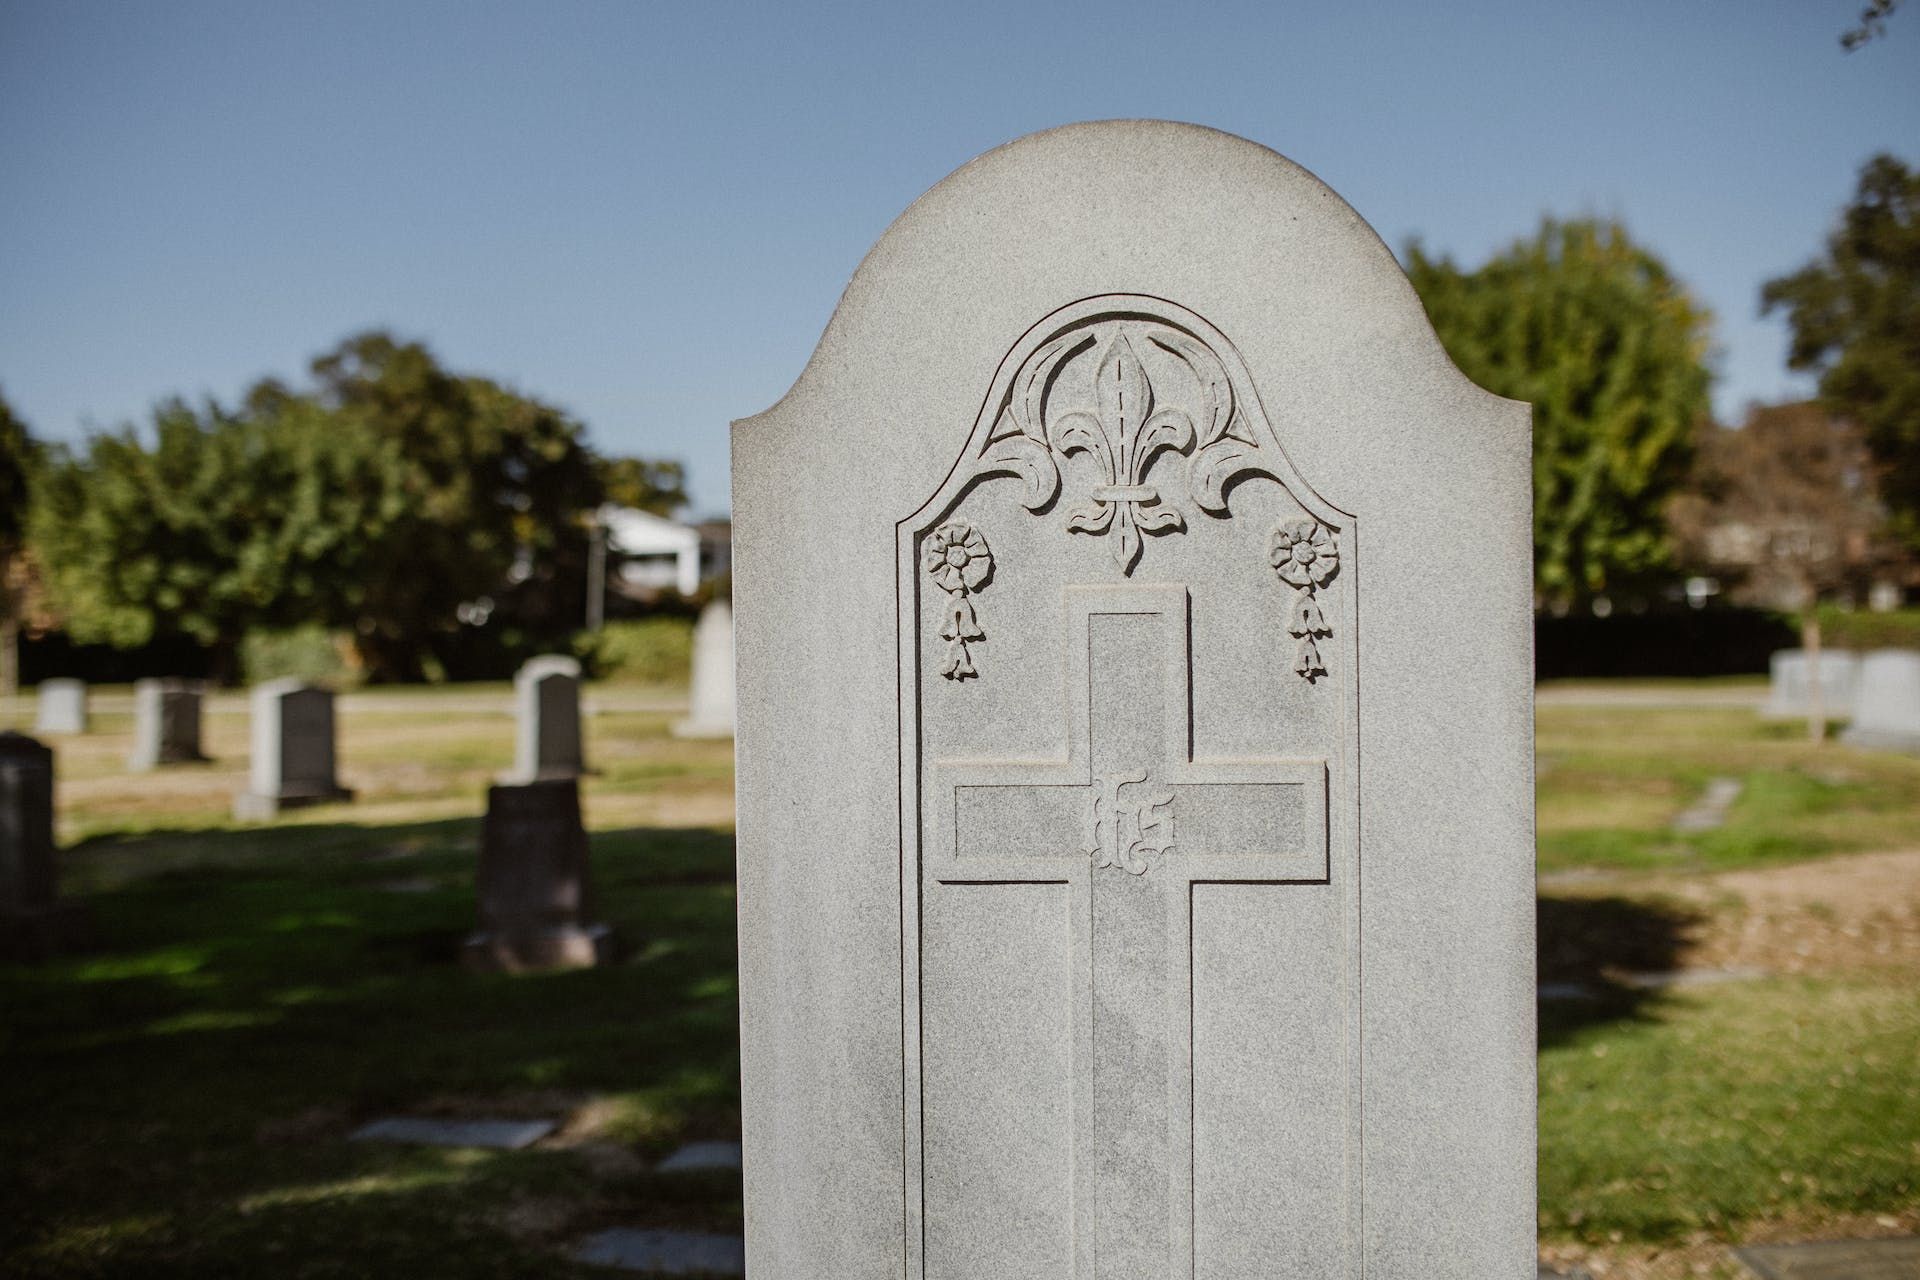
(18, 457)
(1872, 24)
(440, 519)
(1610, 350)
(1855, 317)
(1786, 500)
(649, 485)
(172, 534)
(16, 460)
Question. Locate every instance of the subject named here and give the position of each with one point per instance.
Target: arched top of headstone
(549, 664)
(18, 746)
(1227, 229)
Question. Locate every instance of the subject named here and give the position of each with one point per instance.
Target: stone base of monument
(40, 933)
(533, 884)
(250, 806)
(569, 947)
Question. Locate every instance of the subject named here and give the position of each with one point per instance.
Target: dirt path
(1854, 912)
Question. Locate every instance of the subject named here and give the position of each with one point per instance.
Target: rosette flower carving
(1305, 556)
(956, 557)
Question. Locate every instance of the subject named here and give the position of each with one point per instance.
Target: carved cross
(1132, 821)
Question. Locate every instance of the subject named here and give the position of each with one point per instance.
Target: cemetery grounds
(179, 1096)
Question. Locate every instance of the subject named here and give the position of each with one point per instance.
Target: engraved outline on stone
(1130, 424)
(926, 857)
(1305, 555)
(957, 558)
(1128, 832)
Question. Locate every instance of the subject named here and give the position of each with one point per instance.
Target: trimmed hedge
(1671, 642)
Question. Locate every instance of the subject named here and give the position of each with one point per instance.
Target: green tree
(17, 459)
(1610, 349)
(1855, 316)
(172, 537)
(476, 498)
(656, 486)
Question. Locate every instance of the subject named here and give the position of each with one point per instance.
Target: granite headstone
(293, 751)
(1886, 710)
(710, 714)
(1789, 684)
(166, 724)
(33, 920)
(533, 883)
(62, 706)
(546, 697)
(1135, 738)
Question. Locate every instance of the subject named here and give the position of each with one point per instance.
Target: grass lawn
(177, 1097)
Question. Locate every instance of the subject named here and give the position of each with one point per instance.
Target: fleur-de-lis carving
(1118, 416)
(1123, 437)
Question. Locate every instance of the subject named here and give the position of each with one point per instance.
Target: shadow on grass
(178, 1096)
(1589, 945)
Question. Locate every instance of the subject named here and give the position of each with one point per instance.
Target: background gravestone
(710, 714)
(533, 882)
(1135, 747)
(61, 707)
(1886, 710)
(166, 724)
(546, 697)
(33, 922)
(1789, 685)
(292, 763)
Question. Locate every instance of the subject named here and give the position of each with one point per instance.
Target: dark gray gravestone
(33, 922)
(546, 695)
(166, 724)
(533, 888)
(293, 751)
(1835, 1260)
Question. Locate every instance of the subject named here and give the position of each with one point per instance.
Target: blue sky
(645, 212)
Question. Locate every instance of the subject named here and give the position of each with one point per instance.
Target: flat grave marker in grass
(1897, 1259)
(430, 1131)
(672, 1253)
(699, 1156)
(1709, 813)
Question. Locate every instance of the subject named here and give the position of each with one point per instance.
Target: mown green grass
(176, 1098)
(1726, 1105)
(1613, 779)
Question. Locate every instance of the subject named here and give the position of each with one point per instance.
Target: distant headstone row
(1886, 712)
(1878, 692)
(1790, 683)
